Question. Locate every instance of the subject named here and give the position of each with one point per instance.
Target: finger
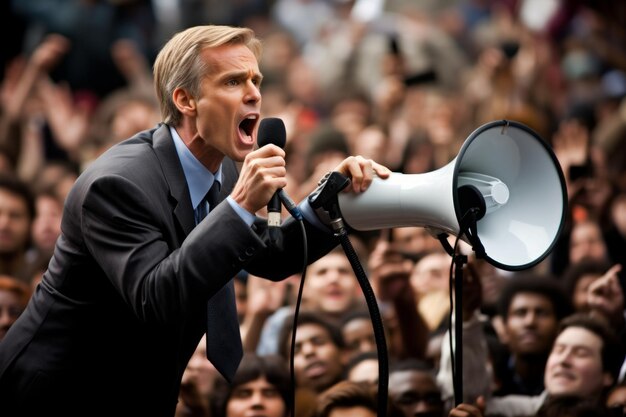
(381, 170)
(614, 270)
(269, 150)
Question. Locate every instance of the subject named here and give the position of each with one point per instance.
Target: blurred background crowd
(403, 82)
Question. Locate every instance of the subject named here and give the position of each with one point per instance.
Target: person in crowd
(429, 280)
(330, 288)
(414, 390)
(584, 363)
(358, 332)
(347, 398)
(531, 307)
(140, 272)
(17, 211)
(14, 295)
(363, 368)
(196, 387)
(261, 386)
(319, 357)
(390, 269)
(46, 227)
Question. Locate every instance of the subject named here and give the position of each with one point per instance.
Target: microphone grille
(272, 130)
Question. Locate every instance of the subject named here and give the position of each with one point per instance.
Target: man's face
(14, 223)
(415, 393)
(574, 366)
(47, 223)
(586, 241)
(359, 336)
(531, 324)
(230, 102)
(318, 362)
(10, 309)
(256, 398)
(431, 273)
(331, 285)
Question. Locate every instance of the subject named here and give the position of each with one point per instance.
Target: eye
(242, 393)
(232, 82)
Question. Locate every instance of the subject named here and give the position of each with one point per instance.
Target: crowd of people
(404, 85)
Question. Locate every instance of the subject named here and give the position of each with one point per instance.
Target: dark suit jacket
(123, 303)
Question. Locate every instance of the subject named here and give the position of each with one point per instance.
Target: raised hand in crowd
(606, 297)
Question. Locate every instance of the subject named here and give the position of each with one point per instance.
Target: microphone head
(272, 130)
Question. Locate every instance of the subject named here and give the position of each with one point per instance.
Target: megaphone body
(515, 175)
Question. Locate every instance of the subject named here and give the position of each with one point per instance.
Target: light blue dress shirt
(200, 179)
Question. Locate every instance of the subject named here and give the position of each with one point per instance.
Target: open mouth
(247, 125)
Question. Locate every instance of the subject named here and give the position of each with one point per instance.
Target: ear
(184, 102)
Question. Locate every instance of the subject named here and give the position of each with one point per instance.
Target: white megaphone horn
(504, 171)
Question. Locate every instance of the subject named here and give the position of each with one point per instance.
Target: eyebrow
(241, 74)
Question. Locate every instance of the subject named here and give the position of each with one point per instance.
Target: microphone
(272, 131)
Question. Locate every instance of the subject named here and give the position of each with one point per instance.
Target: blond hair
(179, 63)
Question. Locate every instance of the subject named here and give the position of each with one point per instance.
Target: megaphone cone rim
(505, 124)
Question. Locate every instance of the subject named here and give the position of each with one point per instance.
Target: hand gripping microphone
(272, 131)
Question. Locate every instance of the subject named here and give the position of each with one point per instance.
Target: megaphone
(504, 172)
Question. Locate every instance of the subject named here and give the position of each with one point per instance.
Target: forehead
(581, 337)
(309, 331)
(225, 58)
(412, 380)
(433, 261)
(258, 383)
(358, 325)
(530, 299)
(332, 260)
(585, 231)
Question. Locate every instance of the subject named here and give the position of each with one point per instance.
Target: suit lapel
(173, 172)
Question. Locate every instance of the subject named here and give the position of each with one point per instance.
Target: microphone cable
(296, 214)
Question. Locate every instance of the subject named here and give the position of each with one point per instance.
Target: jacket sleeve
(123, 229)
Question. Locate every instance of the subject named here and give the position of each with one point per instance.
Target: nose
(421, 407)
(564, 357)
(253, 93)
(257, 400)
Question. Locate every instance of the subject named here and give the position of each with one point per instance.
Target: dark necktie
(223, 340)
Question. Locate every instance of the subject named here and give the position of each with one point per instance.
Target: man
(123, 304)
(14, 295)
(17, 210)
(531, 307)
(319, 353)
(584, 363)
(330, 288)
(413, 389)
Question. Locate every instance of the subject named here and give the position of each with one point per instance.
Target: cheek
(235, 408)
(275, 407)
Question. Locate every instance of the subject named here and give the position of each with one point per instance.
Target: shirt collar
(199, 178)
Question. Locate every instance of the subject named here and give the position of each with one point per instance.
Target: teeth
(252, 117)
